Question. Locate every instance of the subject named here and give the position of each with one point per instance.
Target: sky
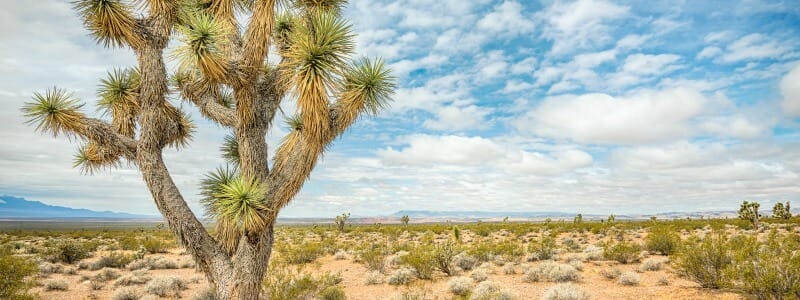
(590, 106)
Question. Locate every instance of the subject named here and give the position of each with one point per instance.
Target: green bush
(301, 253)
(13, 273)
(332, 293)
(662, 240)
(444, 255)
(768, 270)
(545, 248)
(373, 257)
(623, 252)
(486, 250)
(706, 261)
(155, 245)
(422, 260)
(67, 252)
(285, 282)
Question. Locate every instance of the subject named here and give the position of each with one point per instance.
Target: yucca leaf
(110, 21)
(55, 112)
(230, 149)
(204, 46)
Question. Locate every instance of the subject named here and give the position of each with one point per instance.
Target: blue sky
(578, 106)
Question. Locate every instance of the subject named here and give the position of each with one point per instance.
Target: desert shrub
(623, 252)
(551, 271)
(136, 277)
(401, 276)
(705, 261)
(565, 291)
(488, 250)
(612, 273)
(460, 286)
(128, 242)
(127, 293)
(106, 274)
(422, 260)
(479, 274)
(444, 257)
(46, 268)
(652, 264)
(165, 286)
(543, 249)
(113, 260)
(663, 281)
(96, 285)
(55, 285)
(155, 245)
(465, 261)
(769, 269)
(284, 282)
(509, 269)
(629, 278)
(488, 290)
(373, 257)
(662, 240)
(153, 263)
(205, 294)
(373, 277)
(67, 252)
(14, 272)
(340, 255)
(332, 293)
(593, 253)
(302, 253)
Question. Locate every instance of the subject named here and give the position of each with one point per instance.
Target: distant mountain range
(13, 207)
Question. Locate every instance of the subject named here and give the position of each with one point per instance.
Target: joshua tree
(782, 211)
(341, 221)
(612, 218)
(749, 211)
(222, 68)
(578, 219)
(404, 219)
(456, 234)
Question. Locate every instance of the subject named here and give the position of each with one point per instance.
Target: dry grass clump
(479, 274)
(488, 290)
(465, 261)
(127, 293)
(165, 286)
(565, 291)
(47, 268)
(612, 273)
(153, 263)
(373, 277)
(55, 285)
(551, 271)
(402, 276)
(136, 277)
(460, 286)
(652, 264)
(629, 278)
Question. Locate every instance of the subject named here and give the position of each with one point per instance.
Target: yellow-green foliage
(300, 253)
(422, 260)
(286, 282)
(623, 252)
(769, 269)
(706, 260)
(487, 250)
(14, 274)
(544, 248)
(662, 240)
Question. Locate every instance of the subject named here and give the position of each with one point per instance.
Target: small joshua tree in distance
(341, 221)
(782, 211)
(748, 211)
(405, 219)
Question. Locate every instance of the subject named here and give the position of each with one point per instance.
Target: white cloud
(645, 116)
(708, 52)
(640, 68)
(580, 24)
(458, 118)
(790, 89)
(507, 18)
(753, 47)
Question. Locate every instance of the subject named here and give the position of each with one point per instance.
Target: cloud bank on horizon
(593, 106)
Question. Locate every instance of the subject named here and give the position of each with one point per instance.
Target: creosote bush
(15, 275)
(706, 260)
(662, 240)
(623, 252)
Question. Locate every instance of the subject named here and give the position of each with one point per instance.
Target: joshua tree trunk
(225, 74)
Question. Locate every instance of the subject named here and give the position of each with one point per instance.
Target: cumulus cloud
(790, 89)
(645, 116)
(580, 24)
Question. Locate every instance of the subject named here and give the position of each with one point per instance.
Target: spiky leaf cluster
(110, 21)
(204, 46)
(119, 98)
(55, 112)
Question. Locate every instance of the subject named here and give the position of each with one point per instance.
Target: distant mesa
(20, 208)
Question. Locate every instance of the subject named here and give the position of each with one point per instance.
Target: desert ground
(502, 260)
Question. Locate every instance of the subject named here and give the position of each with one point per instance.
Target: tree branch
(258, 36)
(209, 103)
